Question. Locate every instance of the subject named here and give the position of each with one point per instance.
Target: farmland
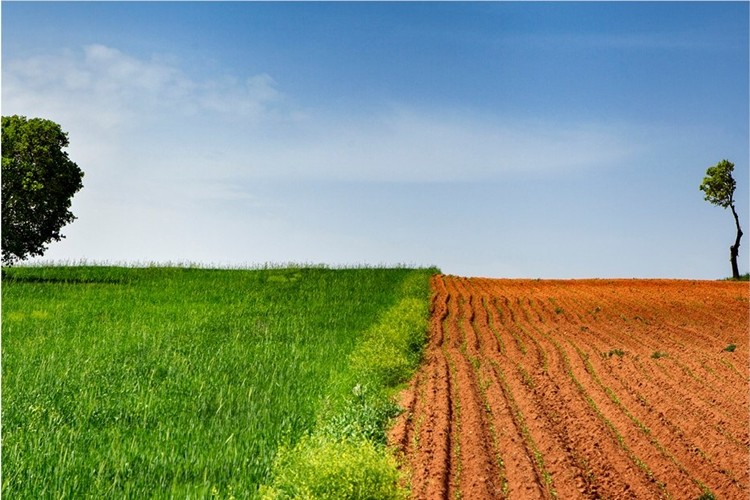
(278, 383)
(186, 383)
(580, 389)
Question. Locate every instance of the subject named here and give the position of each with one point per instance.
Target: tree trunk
(735, 249)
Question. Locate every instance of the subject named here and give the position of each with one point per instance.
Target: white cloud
(106, 88)
(111, 72)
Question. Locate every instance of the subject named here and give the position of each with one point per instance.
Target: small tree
(719, 185)
(38, 182)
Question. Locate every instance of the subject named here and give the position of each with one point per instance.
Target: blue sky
(555, 140)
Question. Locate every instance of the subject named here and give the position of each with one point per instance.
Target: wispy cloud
(135, 119)
(108, 88)
(411, 145)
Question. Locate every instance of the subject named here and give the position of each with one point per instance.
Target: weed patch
(345, 457)
(614, 352)
(320, 467)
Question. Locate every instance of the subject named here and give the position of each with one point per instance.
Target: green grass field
(185, 383)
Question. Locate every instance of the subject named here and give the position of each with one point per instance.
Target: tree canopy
(38, 183)
(719, 184)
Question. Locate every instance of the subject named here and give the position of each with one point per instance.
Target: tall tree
(718, 186)
(38, 183)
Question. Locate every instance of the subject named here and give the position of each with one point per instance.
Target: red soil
(544, 389)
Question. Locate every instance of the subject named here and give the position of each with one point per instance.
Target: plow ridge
(580, 389)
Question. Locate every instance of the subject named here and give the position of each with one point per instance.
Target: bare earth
(580, 389)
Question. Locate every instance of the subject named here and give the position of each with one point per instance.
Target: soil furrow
(611, 436)
(478, 470)
(554, 389)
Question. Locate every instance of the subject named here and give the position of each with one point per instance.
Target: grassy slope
(171, 381)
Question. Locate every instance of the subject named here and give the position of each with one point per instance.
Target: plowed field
(580, 389)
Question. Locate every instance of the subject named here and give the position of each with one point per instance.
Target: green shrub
(730, 348)
(363, 416)
(319, 467)
(743, 277)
